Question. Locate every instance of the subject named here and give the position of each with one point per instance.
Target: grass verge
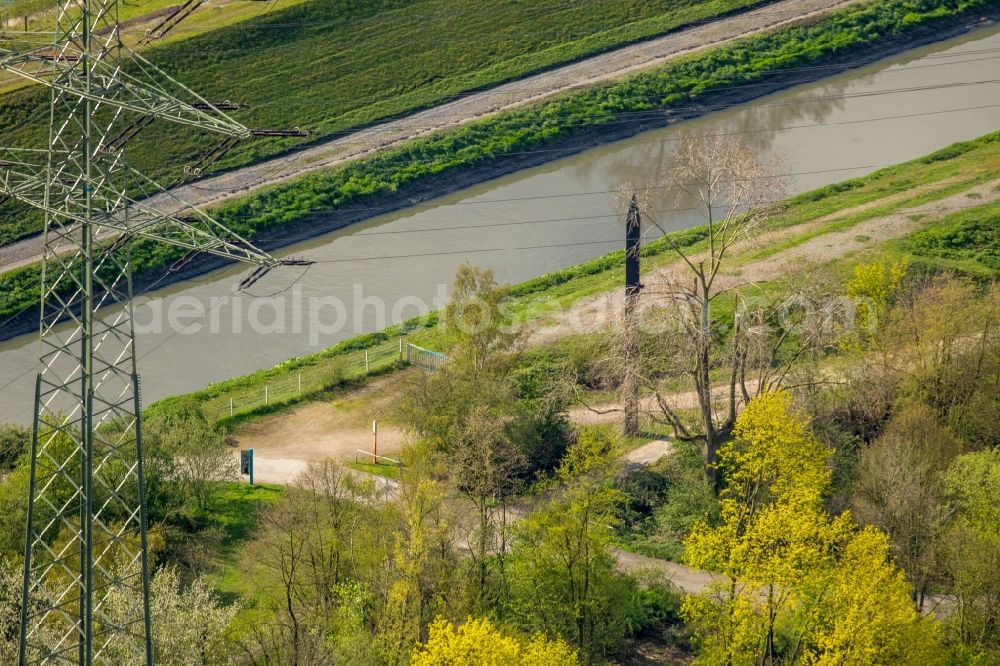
(387, 470)
(966, 242)
(237, 510)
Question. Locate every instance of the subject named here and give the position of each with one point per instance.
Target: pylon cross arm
(112, 87)
(123, 216)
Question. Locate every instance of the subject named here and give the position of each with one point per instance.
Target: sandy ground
(465, 109)
(285, 452)
(648, 453)
(286, 443)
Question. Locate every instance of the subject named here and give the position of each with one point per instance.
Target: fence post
(407, 352)
(401, 350)
(367, 367)
(265, 394)
(300, 384)
(230, 406)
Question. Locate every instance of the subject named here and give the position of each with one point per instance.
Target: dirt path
(333, 152)
(687, 580)
(594, 313)
(648, 453)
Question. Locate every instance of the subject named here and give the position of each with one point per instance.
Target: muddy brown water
(395, 266)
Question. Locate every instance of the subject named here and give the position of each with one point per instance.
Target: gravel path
(333, 152)
(594, 313)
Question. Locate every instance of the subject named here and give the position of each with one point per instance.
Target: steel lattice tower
(86, 574)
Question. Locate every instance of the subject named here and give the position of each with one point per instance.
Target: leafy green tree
(480, 330)
(14, 443)
(873, 288)
(190, 624)
(689, 496)
(795, 585)
(941, 345)
(478, 643)
(307, 551)
(10, 610)
(485, 377)
(663, 501)
(14, 495)
(423, 563)
(14, 517)
(488, 469)
(972, 555)
(564, 578)
(189, 457)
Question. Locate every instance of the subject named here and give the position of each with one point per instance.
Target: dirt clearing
(284, 444)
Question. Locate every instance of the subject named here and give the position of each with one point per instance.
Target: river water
(395, 266)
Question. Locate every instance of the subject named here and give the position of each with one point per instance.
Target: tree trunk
(630, 381)
(703, 385)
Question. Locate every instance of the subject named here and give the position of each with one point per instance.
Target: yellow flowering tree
(479, 643)
(872, 288)
(795, 585)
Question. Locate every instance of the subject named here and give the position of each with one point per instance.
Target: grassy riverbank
(967, 241)
(688, 83)
(330, 67)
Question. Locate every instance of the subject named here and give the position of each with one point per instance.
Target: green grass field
(967, 242)
(328, 67)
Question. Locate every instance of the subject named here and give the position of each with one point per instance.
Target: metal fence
(321, 376)
(306, 381)
(424, 358)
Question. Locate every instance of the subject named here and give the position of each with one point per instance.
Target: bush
(655, 605)
(664, 501)
(14, 443)
(971, 236)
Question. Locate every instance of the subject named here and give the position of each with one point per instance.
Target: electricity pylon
(86, 572)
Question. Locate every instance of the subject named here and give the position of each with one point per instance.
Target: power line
(418, 207)
(617, 241)
(668, 139)
(852, 63)
(654, 115)
(432, 204)
(631, 116)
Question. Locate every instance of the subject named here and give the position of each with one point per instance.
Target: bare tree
(488, 467)
(306, 548)
(734, 188)
(900, 490)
